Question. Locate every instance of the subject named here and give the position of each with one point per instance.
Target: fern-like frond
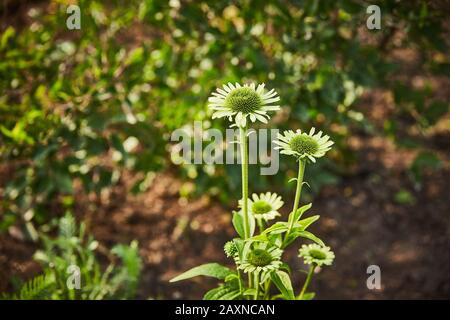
(38, 288)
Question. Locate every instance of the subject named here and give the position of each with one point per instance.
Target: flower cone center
(243, 100)
(304, 144)
(261, 207)
(259, 257)
(317, 254)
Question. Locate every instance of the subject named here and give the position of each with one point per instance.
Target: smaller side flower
(316, 254)
(264, 206)
(230, 249)
(303, 145)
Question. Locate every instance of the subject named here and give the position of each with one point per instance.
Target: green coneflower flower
(302, 145)
(316, 254)
(262, 258)
(230, 249)
(265, 206)
(242, 101)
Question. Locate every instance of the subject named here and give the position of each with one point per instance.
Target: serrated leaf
(230, 295)
(213, 294)
(231, 277)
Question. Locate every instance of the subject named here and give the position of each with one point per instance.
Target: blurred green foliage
(78, 107)
(72, 254)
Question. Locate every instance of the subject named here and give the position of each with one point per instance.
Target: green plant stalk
(250, 280)
(267, 289)
(239, 281)
(307, 282)
(58, 279)
(298, 192)
(260, 225)
(256, 286)
(244, 165)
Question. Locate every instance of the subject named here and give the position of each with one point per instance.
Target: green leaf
(286, 267)
(238, 223)
(223, 292)
(231, 277)
(283, 283)
(304, 234)
(259, 237)
(63, 182)
(42, 152)
(135, 56)
(8, 34)
(214, 270)
(307, 296)
(305, 223)
(38, 288)
(278, 227)
(216, 292)
(298, 214)
(230, 295)
(239, 245)
(249, 292)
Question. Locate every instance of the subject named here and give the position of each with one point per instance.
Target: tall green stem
(267, 289)
(260, 225)
(257, 286)
(308, 280)
(244, 165)
(298, 192)
(240, 281)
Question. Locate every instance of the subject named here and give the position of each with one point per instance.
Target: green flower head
(239, 102)
(302, 145)
(262, 258)
(230, 249)
(315, 254)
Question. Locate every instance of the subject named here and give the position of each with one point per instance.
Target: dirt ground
(359, 219)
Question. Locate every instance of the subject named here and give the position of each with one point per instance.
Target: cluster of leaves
(278, 235)
(81, 105)
(69, 260)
